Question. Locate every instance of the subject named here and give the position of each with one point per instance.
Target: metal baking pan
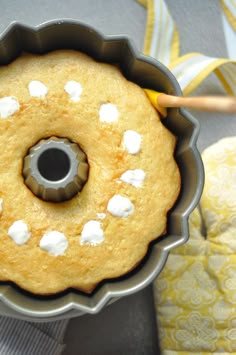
(146, 72)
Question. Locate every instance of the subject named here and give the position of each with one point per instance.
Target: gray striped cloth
(28, 338)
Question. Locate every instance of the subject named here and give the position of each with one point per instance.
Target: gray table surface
(128, 326)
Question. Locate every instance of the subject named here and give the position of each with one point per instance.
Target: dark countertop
(128, 326)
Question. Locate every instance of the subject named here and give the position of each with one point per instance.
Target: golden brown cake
(103, 231)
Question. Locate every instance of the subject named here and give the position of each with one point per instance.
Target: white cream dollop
(74, 90)
(132, 141)
(8, 106)
(133, 177)
(101, 215)
(120, 206)
(37, 89)
(108, 113)
(54, 242)
(1, 205)
(19, 232)
(92, 233)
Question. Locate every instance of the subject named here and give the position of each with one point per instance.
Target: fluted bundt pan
(147, 73)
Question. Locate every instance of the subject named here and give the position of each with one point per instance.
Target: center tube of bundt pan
(55, 169)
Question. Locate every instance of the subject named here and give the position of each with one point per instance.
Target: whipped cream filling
(37, 89)
(101, 215)
(19, 232)
(108, 113)
(120, 206)
(1, 205)
(133, 177)
(8, 106)
(92, 233)
(54, 242)
(74, 90)
(132, 141)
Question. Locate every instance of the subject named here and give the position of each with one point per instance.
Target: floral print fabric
(195, 295)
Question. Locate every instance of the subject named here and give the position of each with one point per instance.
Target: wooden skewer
(204, 103)
(225, 104)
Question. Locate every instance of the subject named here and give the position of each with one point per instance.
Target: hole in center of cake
(55, 169)
(54, 164)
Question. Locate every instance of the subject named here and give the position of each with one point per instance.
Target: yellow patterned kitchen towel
(195, 294)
